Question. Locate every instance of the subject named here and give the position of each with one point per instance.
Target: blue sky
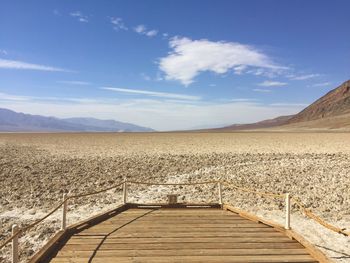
(171, 64)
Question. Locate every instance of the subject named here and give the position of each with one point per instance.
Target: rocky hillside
(257, 125)
(334, 103)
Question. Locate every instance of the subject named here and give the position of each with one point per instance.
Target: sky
(171, 65)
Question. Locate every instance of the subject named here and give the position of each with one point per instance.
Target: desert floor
(36, 169)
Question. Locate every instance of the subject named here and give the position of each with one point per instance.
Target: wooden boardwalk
(179, 235)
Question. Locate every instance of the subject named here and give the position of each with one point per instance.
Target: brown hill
(257, 125)
(330, 112)
(334, 103)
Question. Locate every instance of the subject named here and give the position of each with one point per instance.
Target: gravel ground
(36, 169)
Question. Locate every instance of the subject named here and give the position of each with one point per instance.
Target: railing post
(220, 192)
(287, 224)
(64, 212)
(15, 244)
(125, 192)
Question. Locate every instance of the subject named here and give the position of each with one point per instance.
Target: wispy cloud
(244, 100)
(5, 96)
(151, 33)
(262, 90)
(74, 82)
(142, 30)
(15, 64)
(81, 18)
(154, 93)
(323, 84)
(16, 98)
(303, 77)
(118, 23)
(189, 58)
(269, 83)
(284, 104)
(3, 52)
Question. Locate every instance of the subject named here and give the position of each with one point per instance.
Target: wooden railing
(16, 231)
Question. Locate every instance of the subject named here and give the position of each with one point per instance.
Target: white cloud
(152, 33)
(81, 18)
(269, 83)
(15, 64)
(118, 23)
(142, 30)
(154, 93)
(303, 77)
(323, 84)
(3, 52)
(262, 90)
(189, 57)
(74, 82)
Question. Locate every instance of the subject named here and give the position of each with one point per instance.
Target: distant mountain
(20, 122)
(108, 125)
(257, 125)
(334, 103)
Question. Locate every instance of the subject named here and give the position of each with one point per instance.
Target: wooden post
(220, 193)
(64, 212)
(287, 224)
(15, 244)
(125, 192)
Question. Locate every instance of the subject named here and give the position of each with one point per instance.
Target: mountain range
(11, 121)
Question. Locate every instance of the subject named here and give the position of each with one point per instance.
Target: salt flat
(35, 170)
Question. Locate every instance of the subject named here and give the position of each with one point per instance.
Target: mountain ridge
(11, 121)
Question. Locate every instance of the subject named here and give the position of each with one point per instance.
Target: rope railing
(179, 184)
(94, 193)
(249, 190)
(307, 212)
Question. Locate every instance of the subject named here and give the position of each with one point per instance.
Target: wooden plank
(179, 246)
(187, 246)
(180, 234)
(192, 259)
(174, 230)
(183, 252)
(143, 240)
(137, 226)
(180, 220)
